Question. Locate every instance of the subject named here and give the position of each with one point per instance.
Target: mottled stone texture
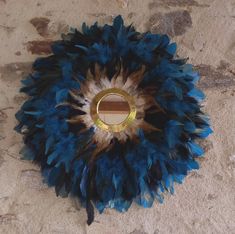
(205, 32)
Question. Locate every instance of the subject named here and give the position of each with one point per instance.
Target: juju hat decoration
(103, 164)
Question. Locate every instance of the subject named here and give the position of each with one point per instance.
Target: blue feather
(172, 132)
(197, 94)
(171, 48)
(195, 149)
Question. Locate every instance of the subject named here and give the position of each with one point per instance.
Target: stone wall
(205, 33)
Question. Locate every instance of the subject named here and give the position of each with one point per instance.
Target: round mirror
(113, 109)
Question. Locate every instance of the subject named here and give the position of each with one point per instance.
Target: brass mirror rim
(112, 127)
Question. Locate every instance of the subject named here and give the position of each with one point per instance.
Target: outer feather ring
(101, 168)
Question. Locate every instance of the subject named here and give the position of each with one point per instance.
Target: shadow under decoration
(112, 117)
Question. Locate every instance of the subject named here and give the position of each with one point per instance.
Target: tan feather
(148, 127)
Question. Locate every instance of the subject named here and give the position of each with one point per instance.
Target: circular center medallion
(113, 110)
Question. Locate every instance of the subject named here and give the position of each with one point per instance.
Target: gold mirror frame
(94, 111)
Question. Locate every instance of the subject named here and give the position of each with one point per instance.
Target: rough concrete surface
(205, 33)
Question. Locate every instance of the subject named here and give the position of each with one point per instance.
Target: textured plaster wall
(205, 32)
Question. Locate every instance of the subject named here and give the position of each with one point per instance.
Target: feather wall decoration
(106, 167)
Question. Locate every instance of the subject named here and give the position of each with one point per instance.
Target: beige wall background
(205, 32)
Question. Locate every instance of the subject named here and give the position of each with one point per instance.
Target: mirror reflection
(113, 109)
